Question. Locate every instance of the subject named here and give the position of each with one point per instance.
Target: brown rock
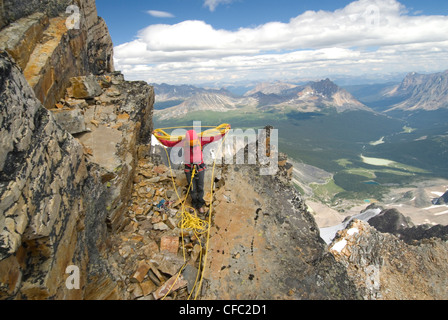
(150, 249)
(136, 290)
(160, 169)
(123, 116)
(10, 276)
(195, 253)
(172, 223)
(145, 225)
(147, 287)
(168, 262)
(155, 275)
(141, 272)
(156, 220)
(85, 87)
(174, 283)
(170, 244)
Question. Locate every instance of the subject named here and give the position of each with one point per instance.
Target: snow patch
(339, 246)
(352, 231)
(328, 234)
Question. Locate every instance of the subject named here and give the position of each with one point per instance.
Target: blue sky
(220, 41)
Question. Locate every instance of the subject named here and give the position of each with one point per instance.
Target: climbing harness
(190, 222)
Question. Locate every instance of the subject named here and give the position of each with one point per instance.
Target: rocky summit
(89, 209)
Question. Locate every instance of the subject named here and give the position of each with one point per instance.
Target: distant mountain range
(312, 97)
(416, 92)
(206, 101)
(421, 92)
(426, 92)
(277, 96)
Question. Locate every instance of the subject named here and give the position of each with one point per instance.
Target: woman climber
(192, 146)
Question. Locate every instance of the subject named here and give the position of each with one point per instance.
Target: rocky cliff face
(51, 45)
(65, 170)
(421, 92)
(265, 245)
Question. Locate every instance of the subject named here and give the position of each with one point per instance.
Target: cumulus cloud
(160, 14)
(364, 36)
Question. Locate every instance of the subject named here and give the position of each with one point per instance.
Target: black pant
(197, 189)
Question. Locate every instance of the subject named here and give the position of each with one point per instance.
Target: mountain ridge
(421, 92)
(278, 96)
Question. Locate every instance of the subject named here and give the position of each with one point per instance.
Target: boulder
(85, 87)
(72, 120)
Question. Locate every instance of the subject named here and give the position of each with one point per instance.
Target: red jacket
(192, 145)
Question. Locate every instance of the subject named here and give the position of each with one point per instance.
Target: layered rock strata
(65, 174)
(60, 195)
(55, 42)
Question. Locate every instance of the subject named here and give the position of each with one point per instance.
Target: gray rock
(71, 120)
(161, 226)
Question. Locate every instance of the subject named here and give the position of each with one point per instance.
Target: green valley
(331, 141)
(366, 152)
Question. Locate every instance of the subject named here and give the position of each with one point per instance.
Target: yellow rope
(188, 221)
(219, 130)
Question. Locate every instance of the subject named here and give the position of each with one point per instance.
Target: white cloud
(364, 36)
(160, 14)
(212, 4)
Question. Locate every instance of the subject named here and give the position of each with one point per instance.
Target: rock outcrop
(266, 245)
(393, 222)
(66, 170)
(60, 195)
(441, 200)
(43, 179)
(54, 42)
(385, 267)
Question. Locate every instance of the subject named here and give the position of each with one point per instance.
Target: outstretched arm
(166, 143)
(217, 137)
